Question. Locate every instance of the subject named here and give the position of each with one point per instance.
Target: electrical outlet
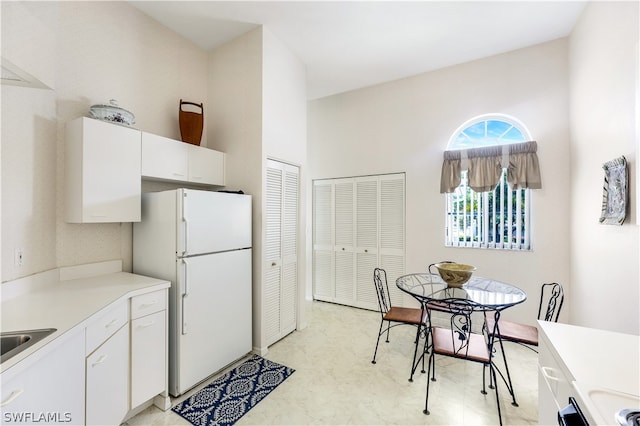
(18, 257)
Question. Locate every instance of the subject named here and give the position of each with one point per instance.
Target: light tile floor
(335, 382)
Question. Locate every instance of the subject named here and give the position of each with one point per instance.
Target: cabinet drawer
(149, 303)
(105, 325)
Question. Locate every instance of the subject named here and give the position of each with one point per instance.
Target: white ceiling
(347, 45)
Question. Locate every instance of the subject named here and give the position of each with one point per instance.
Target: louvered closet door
(289, 285)
(281, 262)
(392, 232)
(323, 288)
(368, 230)
(366, 241)
(344, 234)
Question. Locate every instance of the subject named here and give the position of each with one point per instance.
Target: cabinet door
(148, 357)
(206, 166)
(50, 387)
(164, 158)
(107, 391)
(102, 172)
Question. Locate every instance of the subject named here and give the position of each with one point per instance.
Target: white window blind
(494, 219)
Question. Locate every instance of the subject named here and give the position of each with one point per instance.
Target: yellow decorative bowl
(455, 274)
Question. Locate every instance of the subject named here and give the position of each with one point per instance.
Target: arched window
(499, 216)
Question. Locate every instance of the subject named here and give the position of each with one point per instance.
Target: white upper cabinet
(171, 160)
(206, 166)
(102, 172)
(163, 158)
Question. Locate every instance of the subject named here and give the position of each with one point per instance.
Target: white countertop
(605, 366)
(68, 305)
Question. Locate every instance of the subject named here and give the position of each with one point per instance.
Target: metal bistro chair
(393, 315)
(462, 343)
(432, 306)
(551, 296)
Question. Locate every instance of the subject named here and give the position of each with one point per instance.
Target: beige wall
(257, 92)
(404, 126)
(88, 52)
(285, 137)
(605, 282)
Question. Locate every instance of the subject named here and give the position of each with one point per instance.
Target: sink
(604, 404)
(14, 342)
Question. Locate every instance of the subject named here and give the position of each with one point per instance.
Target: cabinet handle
(149, 324)
(146, 305)
(273, 263)
(342, 248)
(14, 394)
(545, 373)
(178, 174)
(111, 323)
(366, 251)
(100, 360)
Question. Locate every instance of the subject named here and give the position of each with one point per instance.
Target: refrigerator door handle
(184, 296)
(185, 233)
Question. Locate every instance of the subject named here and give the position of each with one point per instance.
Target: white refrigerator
(201, 242)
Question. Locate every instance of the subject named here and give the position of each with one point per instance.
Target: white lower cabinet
(98, 376)
(554, 384)
(107, 386)
(148, 357)
(47, 388)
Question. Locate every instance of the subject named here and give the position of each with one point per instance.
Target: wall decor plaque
(615, 192)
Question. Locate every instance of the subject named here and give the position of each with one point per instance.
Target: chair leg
(484, 388)
(388, 330)
(507, 381)
(430, 363)
(373, 361)
(415, 354)
(492, 372)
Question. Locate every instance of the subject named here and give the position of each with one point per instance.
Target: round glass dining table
(484, 293)
(481, 294)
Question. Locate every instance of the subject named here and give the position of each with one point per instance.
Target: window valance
(484, 167)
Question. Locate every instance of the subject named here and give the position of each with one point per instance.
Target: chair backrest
(552, 298)
(461, 327)
(382, 290)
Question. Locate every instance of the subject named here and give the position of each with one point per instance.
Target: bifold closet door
(358, 225)
(281, 251)
(392, 234)
(322, 211)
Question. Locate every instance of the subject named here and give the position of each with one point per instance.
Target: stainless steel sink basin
(14, 342)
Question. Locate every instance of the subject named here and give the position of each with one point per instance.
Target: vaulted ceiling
(347, 45)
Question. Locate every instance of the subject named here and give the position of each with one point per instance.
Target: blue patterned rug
(231, 396)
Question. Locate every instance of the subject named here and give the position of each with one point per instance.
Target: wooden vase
(191, 123)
